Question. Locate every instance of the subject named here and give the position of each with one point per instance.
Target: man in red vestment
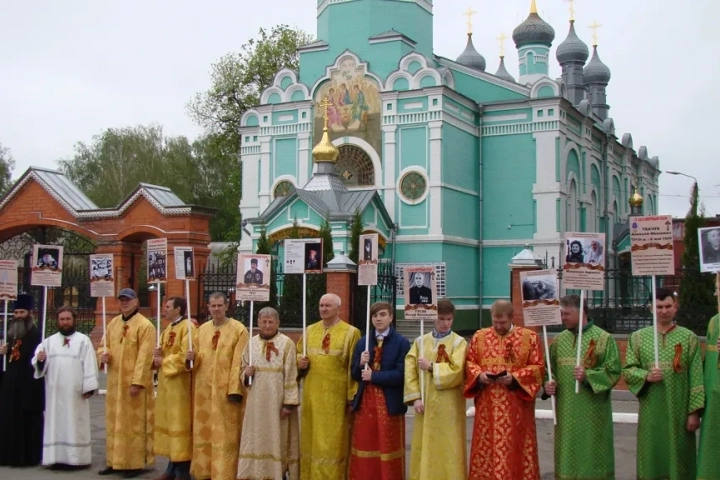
(504, 371)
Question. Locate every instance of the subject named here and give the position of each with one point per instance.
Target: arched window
(572, 208)
(355, 167)
(592, 214)
(283, 188)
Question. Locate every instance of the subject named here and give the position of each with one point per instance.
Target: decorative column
(340, 272)
(522, 262)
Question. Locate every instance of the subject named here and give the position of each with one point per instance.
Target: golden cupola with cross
(325, 151)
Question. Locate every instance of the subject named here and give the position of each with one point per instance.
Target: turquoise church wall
(510, 201)
(285, 157)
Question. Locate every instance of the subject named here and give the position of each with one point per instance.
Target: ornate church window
(413, 186)
(283, 188)
(355, 167)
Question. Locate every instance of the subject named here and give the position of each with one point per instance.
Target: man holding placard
(671, 393)
(218, 393)
(130, 340)
(438, 445)
(708, 458)
(584, 430)
(328, 393)
(504, 370)
(22, 396)
(173, 410)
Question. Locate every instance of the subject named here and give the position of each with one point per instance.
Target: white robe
(70, 371)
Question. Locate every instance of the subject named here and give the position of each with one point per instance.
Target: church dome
(636, 200)
(534, 30)
(470, 57)
(596, 71)
(572, 49)
(503, 73)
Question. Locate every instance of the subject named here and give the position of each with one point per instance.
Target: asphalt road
(624, 448)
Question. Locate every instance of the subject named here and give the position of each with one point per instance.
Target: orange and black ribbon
(377, 358)
(215, 339)
(509, 353)
(326, 343)
(126, 327)
(269, 348)
(677, 361)
(15, 353)
(66, 342)
(442, 355)
(171, 339)
(590, 359)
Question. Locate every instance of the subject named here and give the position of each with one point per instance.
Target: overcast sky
(71, 68)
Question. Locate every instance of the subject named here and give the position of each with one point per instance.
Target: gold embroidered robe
(504, 442)
(173, 407)
(328, 387)
(129, 420)
(270, 445)
(438, 447)
(217, 421)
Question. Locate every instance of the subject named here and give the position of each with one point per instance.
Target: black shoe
(132, 473)
(106, 471)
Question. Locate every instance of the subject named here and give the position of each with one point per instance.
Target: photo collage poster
(157, 260)
(102, 281)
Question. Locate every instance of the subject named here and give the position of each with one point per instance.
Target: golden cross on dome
(470, 12)
(502, 39)
(594, 28)
(572, 9)
(324, 104)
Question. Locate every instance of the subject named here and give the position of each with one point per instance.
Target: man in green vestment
(584, 430)
(671, 394)
(709, 454)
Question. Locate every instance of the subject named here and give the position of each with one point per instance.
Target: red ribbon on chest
(15, 353)
(269, 348)
(442, 355)
(326, 343)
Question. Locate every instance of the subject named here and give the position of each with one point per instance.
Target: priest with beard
(22, 396)
(67, 362)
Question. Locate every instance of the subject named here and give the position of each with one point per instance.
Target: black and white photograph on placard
(184, 259)
(254, 274)
(540, 287)
(368, 259)
(539, 293)
(420, 291)
(709, 239)
(189, 261)
(584, 266)
(48, 258)
(101, 275)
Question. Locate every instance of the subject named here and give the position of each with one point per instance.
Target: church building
(453, 166)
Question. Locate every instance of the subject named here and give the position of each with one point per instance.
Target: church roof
(572, 49)
(392, 33)
(64, 188)
(470, 57)
(534, 30)
(596, 71)
(502, 71)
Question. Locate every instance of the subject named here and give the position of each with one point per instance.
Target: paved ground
(624, 448)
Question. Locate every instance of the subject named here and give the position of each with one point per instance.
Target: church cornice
(488, 77)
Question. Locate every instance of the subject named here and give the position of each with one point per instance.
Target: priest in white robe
(67, 362)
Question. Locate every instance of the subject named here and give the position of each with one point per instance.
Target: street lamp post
(681, 174)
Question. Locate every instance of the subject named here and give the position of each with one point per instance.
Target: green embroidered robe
(709, 454)
(665, 449)
(584, 430)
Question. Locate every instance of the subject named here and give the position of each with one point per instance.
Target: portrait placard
(651, 245)
(102, 281)
(303, 255)
(584, 267)
(157, 260)
(709, 239)
(420, 293)
(253, 278)
(368, 259)
(8, 280)
(184, 263)
(47, 266)
(540, 300)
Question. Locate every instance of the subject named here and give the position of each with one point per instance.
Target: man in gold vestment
(328, 393)
(173, 410)
(130, 339)
(504, 371)
(438, 447)
(218, 393)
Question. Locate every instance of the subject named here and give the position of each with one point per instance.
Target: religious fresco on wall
(355, 105)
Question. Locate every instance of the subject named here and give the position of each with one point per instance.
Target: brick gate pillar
(340, 272)
(523, 261)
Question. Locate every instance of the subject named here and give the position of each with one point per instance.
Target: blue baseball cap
(127, 293)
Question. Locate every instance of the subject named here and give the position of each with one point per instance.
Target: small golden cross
(572, 9)
(470, 12)
(594, 28)
(502, 39)
(324, 104)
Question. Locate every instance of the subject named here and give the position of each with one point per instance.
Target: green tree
(7, 165)
(238, 80)
(696, 296)
(356, 230)
(263, 244)
(327, 238)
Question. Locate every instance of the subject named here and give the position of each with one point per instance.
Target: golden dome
(325, 151)
(636, 200)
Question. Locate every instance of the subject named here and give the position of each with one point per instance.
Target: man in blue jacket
(378, 440)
